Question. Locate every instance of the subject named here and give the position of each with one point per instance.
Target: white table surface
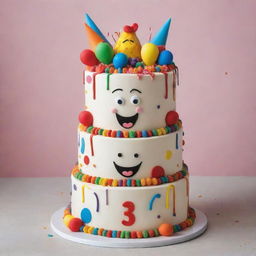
(26, 206)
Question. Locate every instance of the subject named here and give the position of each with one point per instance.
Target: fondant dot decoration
(86, 160)
(168, 154)
(86, 215)
(165, 229)
(88, 79)
(131, 134)
(75, 187)
(149, 181)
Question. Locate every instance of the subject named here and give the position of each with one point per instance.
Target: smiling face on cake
(127, 171)
(127, 99)
(127, 102)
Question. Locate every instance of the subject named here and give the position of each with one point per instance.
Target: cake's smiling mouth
(127, 122)
(127, 171)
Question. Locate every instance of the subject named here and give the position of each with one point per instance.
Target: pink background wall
(41, 93)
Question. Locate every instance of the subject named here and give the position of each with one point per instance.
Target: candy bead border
(134, 234)
(131, 134)
(129, 182)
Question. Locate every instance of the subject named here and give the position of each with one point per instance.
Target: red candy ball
(85, 118)
(157, 172)
(171, 118)
(88, 58)
(75, 224)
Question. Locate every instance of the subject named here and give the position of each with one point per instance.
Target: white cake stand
(197, 229)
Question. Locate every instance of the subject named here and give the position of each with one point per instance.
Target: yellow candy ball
(149, 54)
(67, 219)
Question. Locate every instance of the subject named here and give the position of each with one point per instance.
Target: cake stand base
(197, 229)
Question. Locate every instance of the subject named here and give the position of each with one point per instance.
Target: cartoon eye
(135, 100)
(119, 101)
(119, 154)
(136, 155)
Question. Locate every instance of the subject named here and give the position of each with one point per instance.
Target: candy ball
(67, 219)
(104, 53)
(75, 224)
(85, 118)
(149, 53)
(171, 118)
(157, 172)
(165, 229)
(165, 58)
(88, 58)
(120, 60)
(133, 61)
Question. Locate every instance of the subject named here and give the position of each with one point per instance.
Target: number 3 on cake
(129, 213)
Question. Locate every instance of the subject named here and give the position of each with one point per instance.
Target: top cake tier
(131, 101)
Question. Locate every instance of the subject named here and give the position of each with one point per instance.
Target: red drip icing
(147, 72)
(94, 85)
(91, 144)
(177, 73)
(166, 85)
(83, 78)
(139, 76)
(174, 85)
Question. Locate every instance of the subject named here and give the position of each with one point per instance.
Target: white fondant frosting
(119, 158)
(123, 101)
(145, 210)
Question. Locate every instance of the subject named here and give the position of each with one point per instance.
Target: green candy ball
(104, 53)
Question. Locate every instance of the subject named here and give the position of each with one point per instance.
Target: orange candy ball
(165, 229)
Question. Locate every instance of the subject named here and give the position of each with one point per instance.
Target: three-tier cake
(130, 180)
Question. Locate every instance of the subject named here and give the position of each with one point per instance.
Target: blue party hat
(161, 36)
(94, 27)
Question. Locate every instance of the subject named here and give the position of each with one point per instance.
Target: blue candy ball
(165, 58)
(120, 60)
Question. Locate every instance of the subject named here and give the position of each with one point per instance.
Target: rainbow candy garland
(140, 69)
(135, 234)
(131, 134)
(129, 182)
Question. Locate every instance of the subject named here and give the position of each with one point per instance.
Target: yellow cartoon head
(128, 43)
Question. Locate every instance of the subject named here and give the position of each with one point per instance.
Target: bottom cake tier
(109, 210)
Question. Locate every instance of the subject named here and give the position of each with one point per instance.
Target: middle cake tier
(130, 158)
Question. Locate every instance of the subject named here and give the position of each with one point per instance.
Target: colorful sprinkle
(97, 202)
(150, 206)
(177, 141)
(82, 146)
